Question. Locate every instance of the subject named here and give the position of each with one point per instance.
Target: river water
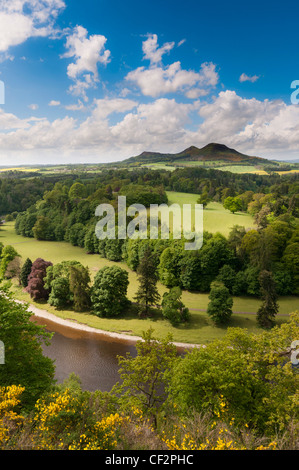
(91, 356)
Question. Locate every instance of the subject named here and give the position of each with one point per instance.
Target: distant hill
(210, 152)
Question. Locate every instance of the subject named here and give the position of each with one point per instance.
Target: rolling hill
(211, 152)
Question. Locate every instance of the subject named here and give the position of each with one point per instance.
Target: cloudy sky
(103, 80)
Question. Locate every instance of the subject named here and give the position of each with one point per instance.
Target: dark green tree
(269, 308)
(25, 363)
(173, 308)
(25, 271)
(109, 291)
(147, 294)
(79, 286)
(220, 305)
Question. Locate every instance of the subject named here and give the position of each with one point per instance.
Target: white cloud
(157, 81)
(117, 128)
(181, 42)
(22, 19)
(246, 78)
(75, 107)
(88, 52)
(33, 106)
(152, 51)
(54, 103)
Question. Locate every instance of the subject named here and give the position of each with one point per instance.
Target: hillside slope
(210, 152)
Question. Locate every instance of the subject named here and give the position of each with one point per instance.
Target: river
(91, 356)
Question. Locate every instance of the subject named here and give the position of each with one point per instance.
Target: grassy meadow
(215, 217)
(200, 330)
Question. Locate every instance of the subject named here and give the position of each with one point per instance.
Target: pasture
(200, 330)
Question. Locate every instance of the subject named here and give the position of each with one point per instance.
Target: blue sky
(103, 80)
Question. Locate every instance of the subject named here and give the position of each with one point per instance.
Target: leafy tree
(57, 281)
(24, 360)
(233, 204)
(77, 191)
(7, 255)
(76, 234)
(173, 308)
(13, 268)
(291, 261)
(147, 294)
(227, 275)
(214, 254)
(79, 286)
(36, 284)
(90, 241)
(269, 308)
(169, 266)
(246, 373)
(25, 271)
(109, 291)
(60, 295)
(190, 271)
(204, 199)
(220, 305)
(42, 228)
(143, 380)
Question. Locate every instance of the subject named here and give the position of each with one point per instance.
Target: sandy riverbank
(42, 313)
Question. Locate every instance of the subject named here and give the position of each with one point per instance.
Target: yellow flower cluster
(102, 436)
(45, 411)
(9, 399)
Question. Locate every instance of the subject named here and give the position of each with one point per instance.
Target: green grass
(215, 217)
(242, 169)
(200, 330)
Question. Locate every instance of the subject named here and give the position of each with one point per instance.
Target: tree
(169, 266)
(269, 308)
(204, 199)
(109, 291)
(173, 308)
(25, 271)
(24, 360)
(233, 204)
(13, 269)
(143, 380)
(41, 228)
(220, 305)
(227, 275)
(7, 255)
(77, 191)
(147, 294)
(36, 284)
(247, 373)
(57, 281)
(79, 285)
(60, 295)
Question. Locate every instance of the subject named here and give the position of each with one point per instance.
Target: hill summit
(209, 152)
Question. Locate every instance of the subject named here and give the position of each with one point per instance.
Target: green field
(215, 217)
(200, 330)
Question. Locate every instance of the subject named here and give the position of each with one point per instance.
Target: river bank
(42, 313)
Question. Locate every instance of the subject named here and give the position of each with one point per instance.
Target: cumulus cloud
(115, 128)
(22, 19)
(157, 81)
(246, 78)
(152, 51)
(88, 52)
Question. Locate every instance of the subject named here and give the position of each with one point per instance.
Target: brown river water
(91, 356)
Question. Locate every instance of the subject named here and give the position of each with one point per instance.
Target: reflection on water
(92, 357)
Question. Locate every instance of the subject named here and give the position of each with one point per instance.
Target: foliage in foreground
(240, 393)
